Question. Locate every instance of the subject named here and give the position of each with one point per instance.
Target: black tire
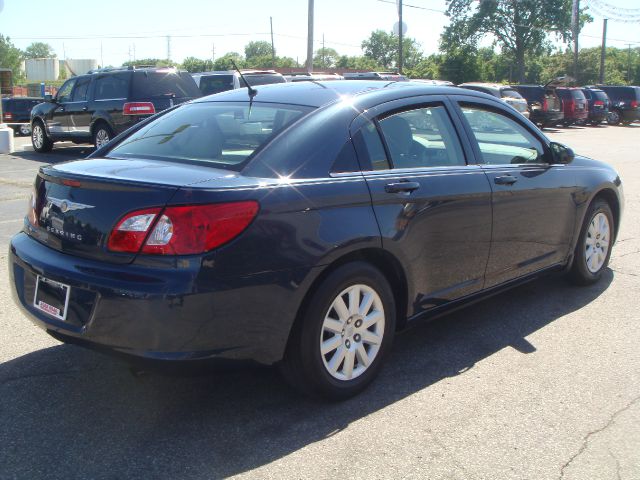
(39, 139)
(580, 273)
(614, 117)
(303, 366)
(102, 134)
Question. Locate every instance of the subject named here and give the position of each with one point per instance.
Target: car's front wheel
(39, 139)
(338, 345)
(594, 244)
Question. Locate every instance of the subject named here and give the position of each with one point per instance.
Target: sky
(119, 30)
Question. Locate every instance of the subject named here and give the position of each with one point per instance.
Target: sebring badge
(67, 205)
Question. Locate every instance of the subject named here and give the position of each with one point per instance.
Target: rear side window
(163, 83)
(222, 135)
(501, 139)
(531, 93)
(577, 94)
(369, 143)
(109, 87)
(424, 137)
(215, 84)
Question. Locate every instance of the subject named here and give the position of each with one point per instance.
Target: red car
(574, 105)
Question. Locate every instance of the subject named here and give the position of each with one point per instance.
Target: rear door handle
(401, 187)
(505, 180)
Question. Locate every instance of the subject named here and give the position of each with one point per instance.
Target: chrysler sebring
(302, 225)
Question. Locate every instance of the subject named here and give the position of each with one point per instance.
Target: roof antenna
(252, 91)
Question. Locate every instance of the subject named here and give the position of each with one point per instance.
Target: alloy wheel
(37, 136)
(352, 332)
(25, 129)
(102, 138)
(597, 242)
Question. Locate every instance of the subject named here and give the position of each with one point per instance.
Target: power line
(415, 6)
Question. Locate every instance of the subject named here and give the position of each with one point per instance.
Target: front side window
(111, 87)
(80, 92)
(424, 137)
(501, 139)
(64, 94)
(222, 135)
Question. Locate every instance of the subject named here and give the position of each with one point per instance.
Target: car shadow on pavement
(67, 412)
(57, 155)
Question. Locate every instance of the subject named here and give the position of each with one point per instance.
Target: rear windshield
(625, 93)
(264, 79)
(215, 84)
(599, 95)
(220, 134)
(510, 93)
(578, 95)
(531, 93)
(163, 83)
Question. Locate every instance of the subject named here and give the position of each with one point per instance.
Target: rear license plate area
(51, 297)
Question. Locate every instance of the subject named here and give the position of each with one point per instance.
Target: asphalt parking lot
(542, 382)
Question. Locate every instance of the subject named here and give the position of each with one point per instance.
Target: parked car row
(96, 107)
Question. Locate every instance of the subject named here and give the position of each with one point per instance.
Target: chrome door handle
(401, 187)
(505, 180)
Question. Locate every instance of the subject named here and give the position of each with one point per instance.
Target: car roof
(497, 86)
(317, 94)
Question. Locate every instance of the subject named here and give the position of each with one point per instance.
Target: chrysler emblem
(67, 205)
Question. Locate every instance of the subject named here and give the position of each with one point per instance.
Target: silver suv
(506, 93)
(221, 81)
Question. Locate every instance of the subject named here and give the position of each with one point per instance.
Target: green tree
(157, 62)
(39, 50)
(11, 57)
(459, 65)
(63, 73)
(427, 68)
(193, 65)
(325, 58)
(255, 49)
(358, 63)
(382, 47)
(224, 62)
(520, 27)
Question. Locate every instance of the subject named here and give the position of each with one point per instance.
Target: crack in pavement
(587, 437)
(625, 273)
(625, 254)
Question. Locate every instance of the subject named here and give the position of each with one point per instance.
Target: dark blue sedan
(305, 225)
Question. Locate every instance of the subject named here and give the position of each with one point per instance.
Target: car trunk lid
(77, 204)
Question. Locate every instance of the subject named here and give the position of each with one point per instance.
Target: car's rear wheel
(594, 244)
(339, 343)
(41, 143)
(102, 135)
(614, 117)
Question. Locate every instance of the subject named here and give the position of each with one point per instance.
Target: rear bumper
(599, 116)
(546, 117)
(160, 314)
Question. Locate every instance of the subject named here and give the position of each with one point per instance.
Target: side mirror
(561, 153)
(48, 97)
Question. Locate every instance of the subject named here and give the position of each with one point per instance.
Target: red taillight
(8, 116)
(182, 230)
(571, 106)
(545, 105)
(598, 103)
(138, 108)
(634, 104)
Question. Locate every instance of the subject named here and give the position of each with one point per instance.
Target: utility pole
(134, 52)
(400, 36)
(101, 57)
(273, 49)
(323, 64)
(169, 48)
(603, 52)
(629, 63)
(310, 38)
(575, 24)
(213, 53)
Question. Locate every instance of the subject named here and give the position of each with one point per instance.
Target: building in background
(78, 66)
(42, 69)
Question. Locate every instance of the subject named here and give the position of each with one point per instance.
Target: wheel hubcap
(102, 138)
(352, 332)
(37, 136)
(597, 242)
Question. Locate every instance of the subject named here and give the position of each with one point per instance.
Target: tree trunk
(520, 67)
